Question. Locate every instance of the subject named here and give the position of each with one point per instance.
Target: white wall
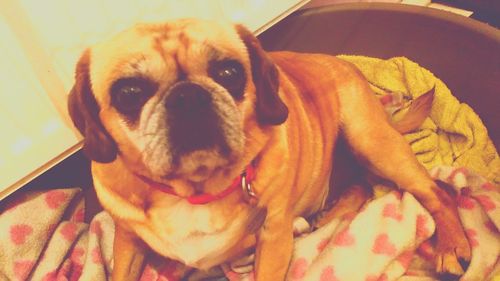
(40, 42)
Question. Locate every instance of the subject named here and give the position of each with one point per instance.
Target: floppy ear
(84, 111)
(271, 110)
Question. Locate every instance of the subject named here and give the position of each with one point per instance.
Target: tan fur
(325, 98)
(418, 111)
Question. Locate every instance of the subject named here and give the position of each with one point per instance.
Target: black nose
(188, 96)
(192, 120)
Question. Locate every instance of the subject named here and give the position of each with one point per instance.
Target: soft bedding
(44, 237)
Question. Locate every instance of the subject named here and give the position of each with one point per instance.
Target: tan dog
(172, 114)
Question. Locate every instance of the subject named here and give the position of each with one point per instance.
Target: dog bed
(46, 238)
(45, 235)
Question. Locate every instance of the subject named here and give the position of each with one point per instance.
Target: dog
(204, 145)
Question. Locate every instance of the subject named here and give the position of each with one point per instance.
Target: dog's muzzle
(192, 120)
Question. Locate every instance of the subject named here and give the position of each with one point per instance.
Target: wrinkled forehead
(156, 50)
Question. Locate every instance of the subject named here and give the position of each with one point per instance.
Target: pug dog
(204, 145)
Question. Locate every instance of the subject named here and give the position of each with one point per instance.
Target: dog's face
(173, 100)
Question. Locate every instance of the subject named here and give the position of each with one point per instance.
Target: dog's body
(212, 103)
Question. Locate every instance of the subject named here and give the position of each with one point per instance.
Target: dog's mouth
(200, 165)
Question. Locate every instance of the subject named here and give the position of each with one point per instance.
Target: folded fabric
(453, 134)
(384, 240)
(44, 237)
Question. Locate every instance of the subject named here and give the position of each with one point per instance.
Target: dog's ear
(270, 109)
(84, 111)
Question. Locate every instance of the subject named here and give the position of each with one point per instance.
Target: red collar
(242, 180)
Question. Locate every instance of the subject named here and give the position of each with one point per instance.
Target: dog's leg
(128, 254)
(391, 158)
(274, 248)
(387, 154)
(349, 203)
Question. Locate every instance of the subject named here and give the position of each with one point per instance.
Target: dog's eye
(230, 75)
(128, 95)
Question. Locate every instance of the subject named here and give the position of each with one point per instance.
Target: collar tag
(246, 178)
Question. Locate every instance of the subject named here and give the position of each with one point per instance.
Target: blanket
(44, 237)
(388, 238)
(452, 135)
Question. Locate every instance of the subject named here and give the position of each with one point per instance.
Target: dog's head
(172, 100)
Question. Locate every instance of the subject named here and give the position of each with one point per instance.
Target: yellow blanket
(453, 134)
